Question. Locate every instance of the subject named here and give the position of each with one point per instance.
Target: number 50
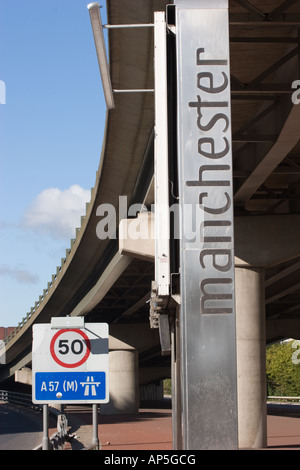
(76, 347)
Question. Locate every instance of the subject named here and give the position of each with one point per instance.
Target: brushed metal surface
(208, 345)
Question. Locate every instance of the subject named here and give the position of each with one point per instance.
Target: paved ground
(19, 429)
(284, 426)
(151, 429)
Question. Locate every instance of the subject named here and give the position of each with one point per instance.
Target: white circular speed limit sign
(70, 348)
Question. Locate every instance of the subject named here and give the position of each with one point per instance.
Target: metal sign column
(208, 338)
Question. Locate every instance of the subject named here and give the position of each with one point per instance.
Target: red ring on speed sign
(65, 364)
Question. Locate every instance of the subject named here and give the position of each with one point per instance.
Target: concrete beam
(287, 139)
(113, 271)
(10, 369)
(123, 336)
(24, 376)
(137, 236)
(260, 241)
(151, 374)
(264, 241)
(282, 328)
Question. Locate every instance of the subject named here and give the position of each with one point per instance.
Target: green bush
(283, 370)
(167, 387)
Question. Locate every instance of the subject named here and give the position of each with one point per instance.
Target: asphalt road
(19, 429)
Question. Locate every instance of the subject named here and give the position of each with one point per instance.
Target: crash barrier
(60, 437)
(15, 398)
(272, 398)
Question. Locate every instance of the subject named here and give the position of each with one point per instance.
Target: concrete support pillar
(251, 362)
(123, 383)
(24, 376)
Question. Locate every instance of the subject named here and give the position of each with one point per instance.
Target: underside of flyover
(94, 280)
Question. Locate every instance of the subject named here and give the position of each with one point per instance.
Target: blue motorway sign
(70, 386)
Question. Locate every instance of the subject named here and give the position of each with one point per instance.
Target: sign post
(70, 365)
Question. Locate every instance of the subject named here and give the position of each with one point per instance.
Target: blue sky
(51, 130)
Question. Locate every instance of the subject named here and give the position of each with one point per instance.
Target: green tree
(167, 387)
(283, 370)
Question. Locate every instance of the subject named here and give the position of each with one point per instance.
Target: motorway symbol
(90, 385)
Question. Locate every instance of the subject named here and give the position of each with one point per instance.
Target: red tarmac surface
(151, 429)
(283, 427)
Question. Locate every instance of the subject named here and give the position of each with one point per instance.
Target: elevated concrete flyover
(97, 281)
(125, 169)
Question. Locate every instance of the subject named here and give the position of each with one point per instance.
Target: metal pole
(161, 159)
(176, 384)
(45, 441)
(135, 90)
(95, 440)
(207, 290)
(137, 25)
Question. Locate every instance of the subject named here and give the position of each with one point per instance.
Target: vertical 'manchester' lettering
(213, 122)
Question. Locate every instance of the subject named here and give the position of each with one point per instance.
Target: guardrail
(292, 399)
(16, 398)
(56, 440)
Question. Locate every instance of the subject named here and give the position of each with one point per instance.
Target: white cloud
(22, 276)
(57, 213)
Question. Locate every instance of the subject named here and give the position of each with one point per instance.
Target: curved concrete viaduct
(98, 281)
(125, 169)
